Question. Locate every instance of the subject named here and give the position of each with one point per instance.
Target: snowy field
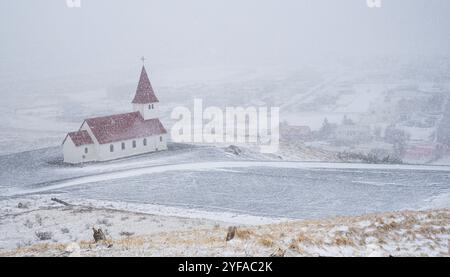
(210, 179)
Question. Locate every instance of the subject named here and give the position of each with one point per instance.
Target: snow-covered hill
(50, 229)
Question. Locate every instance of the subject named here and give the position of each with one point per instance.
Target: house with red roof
(120, 135)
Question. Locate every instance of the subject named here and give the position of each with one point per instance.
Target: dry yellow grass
(388, 227)
(304, 238)
(294, 246)
(266, 241)
(244, 233)
(296, 237)
(342, 240)
(35, 249)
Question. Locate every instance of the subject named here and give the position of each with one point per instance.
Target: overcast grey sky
(110, 33)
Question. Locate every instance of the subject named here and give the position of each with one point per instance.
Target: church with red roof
(120, 135)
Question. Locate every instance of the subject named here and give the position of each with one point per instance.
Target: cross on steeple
(143, 60)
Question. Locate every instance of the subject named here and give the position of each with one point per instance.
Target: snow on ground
(45, 228)
(209, 179)
(205, 166)
(21, 224)
(180, 202)
(45, 171)
(442, 161)
(45, 165)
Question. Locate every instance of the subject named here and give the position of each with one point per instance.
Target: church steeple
(145, 100)
(144, 92)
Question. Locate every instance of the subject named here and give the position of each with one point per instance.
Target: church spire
(144, 92)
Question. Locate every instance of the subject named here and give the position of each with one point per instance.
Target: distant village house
(352, 133)
(293, 133)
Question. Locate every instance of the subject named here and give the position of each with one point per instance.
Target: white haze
(46, 38)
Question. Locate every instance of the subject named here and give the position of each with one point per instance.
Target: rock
(44, 235)
(278, 253)
(231, 233)
(233, 149)
(22, 205)
(98, 235)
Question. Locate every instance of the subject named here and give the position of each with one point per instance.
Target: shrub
(44, 235)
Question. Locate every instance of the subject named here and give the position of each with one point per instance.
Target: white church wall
(161, 144)
(70, 151)
(101, 152)
(153, 144)
(148, 111)
(77, 154)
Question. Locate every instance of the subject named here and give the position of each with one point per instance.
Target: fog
(46, 38)
(264, 111)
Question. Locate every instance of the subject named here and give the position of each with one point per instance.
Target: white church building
(121, 135)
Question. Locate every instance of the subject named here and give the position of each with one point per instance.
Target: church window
(144, 142)
(85, 150)
(134, 144)
(111, 148)
(160, 138)
(123, 145)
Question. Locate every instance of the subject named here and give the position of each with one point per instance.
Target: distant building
(424, 151)
(121, 135)
(292, 133)
(352, 133)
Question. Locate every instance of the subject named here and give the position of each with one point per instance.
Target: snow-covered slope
(67, 231)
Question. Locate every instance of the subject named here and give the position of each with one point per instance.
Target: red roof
(144, 92)
(107, 129)
(80, 138)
